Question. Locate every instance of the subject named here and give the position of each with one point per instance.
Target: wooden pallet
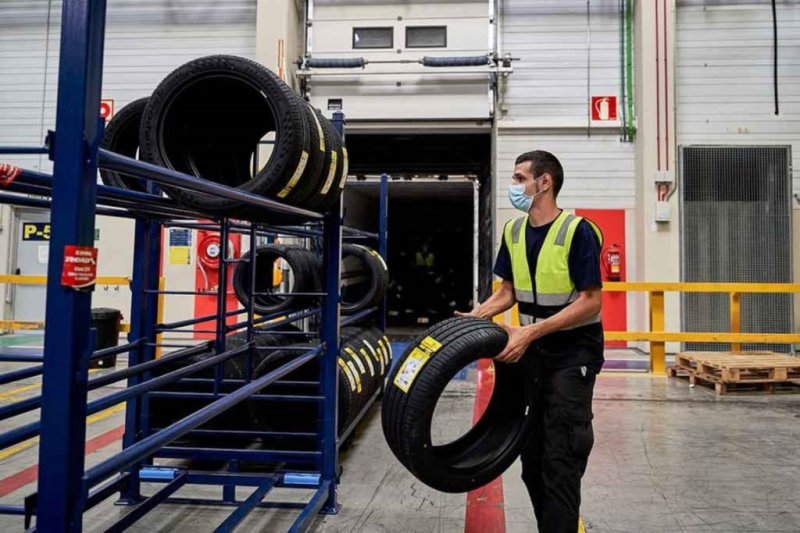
(741, 372)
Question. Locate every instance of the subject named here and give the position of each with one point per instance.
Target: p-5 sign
(35, 231)
(604, 108)
(106, 108)
(80, 267)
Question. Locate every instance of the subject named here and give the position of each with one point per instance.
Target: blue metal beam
(164, 176)
(152, 443)
(147, 505)
(244, 509)
(313, 507)
(67, 342)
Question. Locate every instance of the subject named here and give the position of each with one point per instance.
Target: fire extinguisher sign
(80, 267)
(604, 108)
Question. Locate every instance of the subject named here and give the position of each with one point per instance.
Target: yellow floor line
(24, 445)
(9, 395)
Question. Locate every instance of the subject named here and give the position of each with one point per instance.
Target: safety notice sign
(80, 266)
(604, 108)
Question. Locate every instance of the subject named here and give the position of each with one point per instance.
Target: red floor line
(485, 506)
(29, 475)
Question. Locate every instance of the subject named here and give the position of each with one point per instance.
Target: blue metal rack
(66, 489)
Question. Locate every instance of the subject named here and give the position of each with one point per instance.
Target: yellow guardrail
(658, 338)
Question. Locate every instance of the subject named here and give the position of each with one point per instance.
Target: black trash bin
(106, 322)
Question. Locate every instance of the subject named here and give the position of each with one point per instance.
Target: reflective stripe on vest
(554, 286)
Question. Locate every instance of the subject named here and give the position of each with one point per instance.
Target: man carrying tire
(549, 262)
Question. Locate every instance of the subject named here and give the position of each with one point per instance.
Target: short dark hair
(544, 163)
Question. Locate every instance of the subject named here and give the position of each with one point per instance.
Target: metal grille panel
(736, 227)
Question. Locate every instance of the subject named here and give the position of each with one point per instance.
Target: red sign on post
(106, 108)
(604, 108)
(80, 266)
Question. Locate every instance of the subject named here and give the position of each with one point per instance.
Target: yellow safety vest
(554, 288)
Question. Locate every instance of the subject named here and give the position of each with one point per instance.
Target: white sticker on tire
(411, 367)
(301, 167)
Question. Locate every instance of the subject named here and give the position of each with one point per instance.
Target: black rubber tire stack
(164, 412)
(122, 137)
(414, 387)
(363, 363)
(368, 294)
(305, 269)
(208, 117)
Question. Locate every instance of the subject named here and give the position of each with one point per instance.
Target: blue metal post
(67, 339)
(144, 317)
(383, 236)
(251, 298)
(329, 373)
(222, 299)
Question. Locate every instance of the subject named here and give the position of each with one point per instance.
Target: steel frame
(66, 489)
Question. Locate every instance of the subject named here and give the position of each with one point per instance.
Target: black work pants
(555, 459)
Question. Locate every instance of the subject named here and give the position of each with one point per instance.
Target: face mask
(518, 198)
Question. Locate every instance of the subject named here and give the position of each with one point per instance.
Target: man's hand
(474, 313)
(518, 341)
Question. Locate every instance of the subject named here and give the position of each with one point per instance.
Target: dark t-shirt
(584, 270)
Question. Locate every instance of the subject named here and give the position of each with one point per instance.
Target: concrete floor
(666, 458)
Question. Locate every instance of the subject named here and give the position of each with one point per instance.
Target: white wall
(145, 40)
(564, 58)
(724, 72)
(422, 93)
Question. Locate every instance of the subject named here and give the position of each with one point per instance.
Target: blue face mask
(518, 198)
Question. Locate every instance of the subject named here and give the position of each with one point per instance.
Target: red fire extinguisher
(612, 261)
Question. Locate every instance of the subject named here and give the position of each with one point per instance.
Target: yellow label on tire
(331, 174)
(301, 167)
(375, 354)
(345, 168)
(411, 367)
(366, 358)
(430, 345)
(355, 374)
(347, 374)
(357, 359)
(319, 131)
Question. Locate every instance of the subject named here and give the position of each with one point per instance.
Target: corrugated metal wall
(566, 55)
(145, 40)
(725, 74)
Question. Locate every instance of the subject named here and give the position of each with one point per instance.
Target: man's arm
(499, 302)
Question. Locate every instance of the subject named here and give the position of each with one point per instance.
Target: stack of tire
(414, 387)
(210, 117)
(305, 279)
(164, 412)
(363, 364)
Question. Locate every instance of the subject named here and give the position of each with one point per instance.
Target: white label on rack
(296, 176)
